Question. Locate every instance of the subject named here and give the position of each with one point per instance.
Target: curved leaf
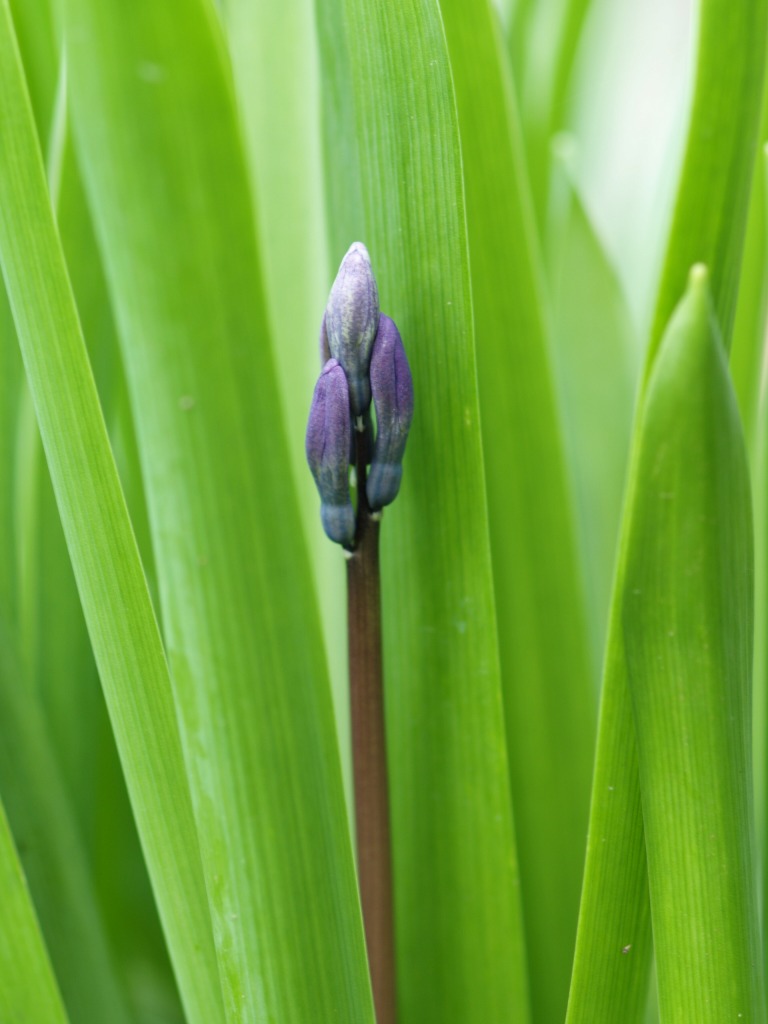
(688, 624)
(107, 568)
(166, 175)
(708, 226)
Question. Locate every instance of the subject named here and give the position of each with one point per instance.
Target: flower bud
(351, 321)
(327, 447)
(392, 388)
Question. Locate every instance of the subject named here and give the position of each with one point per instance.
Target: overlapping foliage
(176, 182)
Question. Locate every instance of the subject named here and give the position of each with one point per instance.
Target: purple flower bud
(327, 448)
(350, 323)
(392, 388)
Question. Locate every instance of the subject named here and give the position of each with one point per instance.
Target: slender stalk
(369, 753)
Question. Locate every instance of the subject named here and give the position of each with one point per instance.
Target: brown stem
(369, 754)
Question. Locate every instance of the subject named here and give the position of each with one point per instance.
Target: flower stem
(369, 754)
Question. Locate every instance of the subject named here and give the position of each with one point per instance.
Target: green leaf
(275, 64)
(11, 375)
(394, 168)
(596, 356)
(50, 847)
(708, 226)
(542, 43)
(687, 619)
(549, 693)
(752, 307)
(103, 550)
(166, 176)
(34, 26)
(710, 216)
(759, 467)
(28, 989)
(69, 681)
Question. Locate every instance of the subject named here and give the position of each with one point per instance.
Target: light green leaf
(687, 618)
(752, 307)
(549, 691)
(596, 357)
(726, 106)
(759, 467)
(708, 226)
(166, 176)
(107, 568)
(28, 989)
(389, 106)
(70, 687)
(275, 64)
(10, 390)
(542, 42)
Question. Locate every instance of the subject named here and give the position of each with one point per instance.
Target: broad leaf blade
(74, 703)
(275, 65)
(108, 571)
(708, 226)
(687, 617)
(388, 99)
(549, 690)
(166, 175)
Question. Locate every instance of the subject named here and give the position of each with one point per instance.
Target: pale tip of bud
(339, 523)
(351, 321)
(383, 483)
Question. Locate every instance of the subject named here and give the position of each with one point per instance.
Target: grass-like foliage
(559, 808)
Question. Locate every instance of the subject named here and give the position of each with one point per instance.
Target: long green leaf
(388, 100)
(542, 41)
(46, 833)
(596, 356)
(752, 307)
(28, 989)
(687, 616)
(759, 466)
(708, 227)
(275, 64)
(11, 375)
(69, 682)
(726, 106)
(166, 175)
(110, 580)
(548, 689)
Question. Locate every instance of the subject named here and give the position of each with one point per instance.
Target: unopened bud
(327, 447)
(392, 388)
(351, 321)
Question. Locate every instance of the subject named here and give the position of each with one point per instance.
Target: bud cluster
(363, 359)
